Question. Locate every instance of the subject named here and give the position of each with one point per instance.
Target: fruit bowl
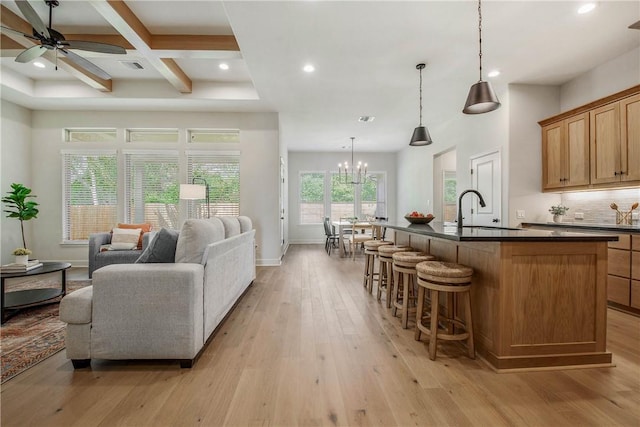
(419, 219)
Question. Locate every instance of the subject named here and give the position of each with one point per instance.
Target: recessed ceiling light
(494, 73)
(366, 118)
(38, 64)
(224, 66)
(309, 68)
(586, 8)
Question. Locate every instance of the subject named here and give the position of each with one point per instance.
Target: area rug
(33, 334)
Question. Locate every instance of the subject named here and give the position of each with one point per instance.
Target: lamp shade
(481, 99)
(420, 137)
(193, 192)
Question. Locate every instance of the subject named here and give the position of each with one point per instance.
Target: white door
(486, 177)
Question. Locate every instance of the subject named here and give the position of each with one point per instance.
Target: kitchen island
(539, 298)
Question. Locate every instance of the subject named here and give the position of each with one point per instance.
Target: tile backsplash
(595, 205)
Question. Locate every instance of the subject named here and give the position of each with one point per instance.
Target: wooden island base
(536, 305)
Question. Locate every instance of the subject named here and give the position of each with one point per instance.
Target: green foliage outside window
(312, 187)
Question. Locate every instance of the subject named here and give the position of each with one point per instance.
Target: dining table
(343, 225)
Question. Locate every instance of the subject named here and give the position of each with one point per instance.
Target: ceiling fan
(50, 39)
(635, 26)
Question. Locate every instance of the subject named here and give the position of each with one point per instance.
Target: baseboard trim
(307, 242)
(266, 262)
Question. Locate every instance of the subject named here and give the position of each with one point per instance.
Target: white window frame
(214, 195)
(324, 201)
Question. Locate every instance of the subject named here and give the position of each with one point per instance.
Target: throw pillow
(125, 236)
(194, 237)
(145, 228)
(162, 248)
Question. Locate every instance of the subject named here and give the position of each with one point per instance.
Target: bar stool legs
(450, 278)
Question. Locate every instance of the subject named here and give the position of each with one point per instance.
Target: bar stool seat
(404, 273)
(385, 280)
(370, 255)
(451, 278)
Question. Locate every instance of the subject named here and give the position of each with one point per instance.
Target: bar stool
(437, 276)
(370, 255)
(404, 273)
(385, 280)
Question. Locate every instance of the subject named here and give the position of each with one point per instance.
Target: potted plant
(20, 207)
(558, 212)
(22, 255)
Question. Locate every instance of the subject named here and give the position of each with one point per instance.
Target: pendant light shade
(481, 98)
(420, 134)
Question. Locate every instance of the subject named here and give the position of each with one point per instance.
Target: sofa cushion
(231, 225)
(245, 224)
(194, 237)
(145, 227)
(125, 238)
(162, 248)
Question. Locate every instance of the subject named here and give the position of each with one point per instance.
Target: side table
(17, 300)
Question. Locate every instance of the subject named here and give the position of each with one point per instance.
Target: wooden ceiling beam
(11, 20)
(193, 42)
(118, 14)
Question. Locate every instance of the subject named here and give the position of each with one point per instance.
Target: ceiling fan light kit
(482, 98)
(51, 39)
(420, 135)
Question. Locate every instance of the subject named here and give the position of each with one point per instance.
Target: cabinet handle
(615, 174)
(622, 172)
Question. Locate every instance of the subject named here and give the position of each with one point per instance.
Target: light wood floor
(308, 346)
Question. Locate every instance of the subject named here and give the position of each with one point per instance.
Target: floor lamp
(195, 191)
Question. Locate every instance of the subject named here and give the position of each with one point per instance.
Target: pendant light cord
(420, 96)
(480, 35)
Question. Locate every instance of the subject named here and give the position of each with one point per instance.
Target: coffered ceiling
(364, 53)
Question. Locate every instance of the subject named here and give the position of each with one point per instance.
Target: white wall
(15, 160)
(528, 105)
(259, 159)
(308, 161)
(614, 76)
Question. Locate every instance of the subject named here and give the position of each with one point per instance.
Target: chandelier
(354, 174)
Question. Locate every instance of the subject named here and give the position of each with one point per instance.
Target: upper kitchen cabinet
(565, 153)
(593, 146)
(615, 142)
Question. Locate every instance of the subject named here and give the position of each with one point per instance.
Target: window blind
(221, 170)
(152, 188)
(89, 194)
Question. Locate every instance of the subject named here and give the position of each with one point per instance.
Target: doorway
(486, 177)
(444, 182)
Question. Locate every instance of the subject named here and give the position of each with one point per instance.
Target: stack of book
(20, 268)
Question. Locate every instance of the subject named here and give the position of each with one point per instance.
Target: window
(449, 197)
(311, 197)
(327, 194)
(152, 135)
(214, 135)
(90, 135)
(342, 198)
(152, 188)
(89, 193)
(221, 170)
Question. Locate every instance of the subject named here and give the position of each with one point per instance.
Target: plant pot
(557, 218)
(22, 259)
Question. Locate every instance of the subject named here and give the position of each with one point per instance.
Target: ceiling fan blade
(93, 46)
(32, 17)
(11, 30)
(635, 26)
(30, 54)
(89, 66)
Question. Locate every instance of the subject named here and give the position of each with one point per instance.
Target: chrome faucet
(482, 203)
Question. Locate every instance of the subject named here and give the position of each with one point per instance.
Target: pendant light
(420, 134)
(481, 98)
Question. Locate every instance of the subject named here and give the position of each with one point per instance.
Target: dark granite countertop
(495, 234)
(617, 228)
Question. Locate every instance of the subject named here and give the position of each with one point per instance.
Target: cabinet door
(605, 143)
(619, 290)
(630, 137)
(577, 150)
(553, 156)
(620, 262)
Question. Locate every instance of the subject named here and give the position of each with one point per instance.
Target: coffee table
(17, 300)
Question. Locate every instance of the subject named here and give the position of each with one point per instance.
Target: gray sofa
(164, 310)
(99, 259)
